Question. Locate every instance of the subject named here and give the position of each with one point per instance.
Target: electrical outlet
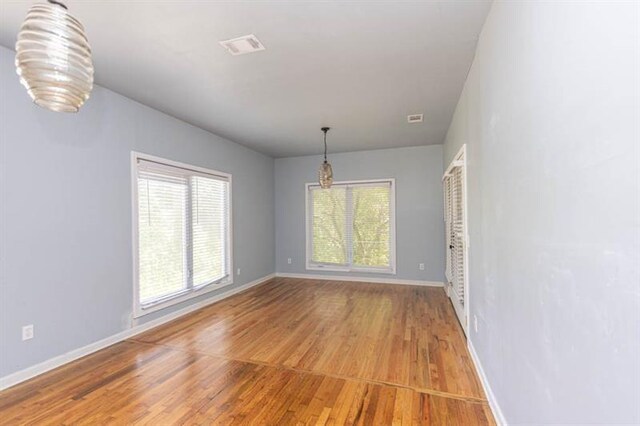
(289, 261)
(238, 271)
(475, 323)
(421, 266)
(27, 332)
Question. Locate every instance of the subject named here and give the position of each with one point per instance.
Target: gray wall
(419, 217)
(550, 116)
(65, 263)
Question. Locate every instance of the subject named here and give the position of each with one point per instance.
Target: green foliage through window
(350, 225)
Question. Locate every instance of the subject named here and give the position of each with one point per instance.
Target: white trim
(355, 182)
(375, 280)
(165, 161)
(337, 268)
(138, 311)
(55, 362)
(491, 398)
(462, 155)
(460, 159)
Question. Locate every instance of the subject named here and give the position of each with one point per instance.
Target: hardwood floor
(287, 352)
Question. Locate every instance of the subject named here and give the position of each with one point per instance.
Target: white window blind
(351, 226)
(329, 225)
(183, 231)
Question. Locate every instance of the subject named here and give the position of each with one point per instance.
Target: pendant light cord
(325, 130)
(325, 147)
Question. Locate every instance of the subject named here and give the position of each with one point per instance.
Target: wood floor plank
(286, 352)
(358, 331)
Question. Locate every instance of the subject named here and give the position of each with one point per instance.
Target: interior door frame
(460, 160)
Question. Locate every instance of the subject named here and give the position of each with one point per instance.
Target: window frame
(311, 266)
(138, 309)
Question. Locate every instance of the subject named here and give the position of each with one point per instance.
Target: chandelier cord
(325, 146)
(325, 130)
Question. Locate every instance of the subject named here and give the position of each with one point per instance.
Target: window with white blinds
(351, 226)
(183, 241)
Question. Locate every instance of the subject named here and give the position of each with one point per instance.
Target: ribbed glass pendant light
(325, 173)
(53, 58)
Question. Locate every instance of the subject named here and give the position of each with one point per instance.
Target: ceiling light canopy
(325, 173)
(53, 58)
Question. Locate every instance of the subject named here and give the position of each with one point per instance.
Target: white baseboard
(362, 279)
(50, 364)
(493, 402)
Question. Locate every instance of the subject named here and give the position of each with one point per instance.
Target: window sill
(390, 271)
(140, 312)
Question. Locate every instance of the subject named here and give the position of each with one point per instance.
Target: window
(183, 233)
(351, 226)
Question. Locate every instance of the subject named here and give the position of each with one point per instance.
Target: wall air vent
(243, 45)
(414, 118)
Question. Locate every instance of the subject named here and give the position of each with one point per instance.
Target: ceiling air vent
(414, 118)
(243, 45)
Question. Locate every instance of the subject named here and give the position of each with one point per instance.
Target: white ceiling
(359, 67)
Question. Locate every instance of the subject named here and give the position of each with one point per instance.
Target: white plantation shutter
(457, 236)
(183, 231)
(447, 219)
(455, 231)
(351, 226)
(455, 217)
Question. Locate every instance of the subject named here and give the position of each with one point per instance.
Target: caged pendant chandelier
(325, 173)
(53, 58)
